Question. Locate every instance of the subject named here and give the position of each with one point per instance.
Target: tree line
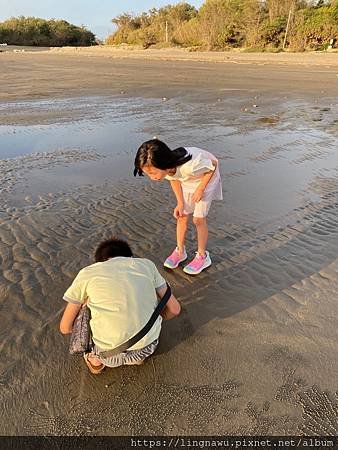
(226, 24)
(46, 33)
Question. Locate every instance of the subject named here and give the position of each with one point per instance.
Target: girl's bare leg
(202, 234)
(181, 229)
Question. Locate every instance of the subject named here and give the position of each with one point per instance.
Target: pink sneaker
(175, 259)
(198, 264)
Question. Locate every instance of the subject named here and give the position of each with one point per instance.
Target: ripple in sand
(14, 170)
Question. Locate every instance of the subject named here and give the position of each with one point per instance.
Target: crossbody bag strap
(132, 341)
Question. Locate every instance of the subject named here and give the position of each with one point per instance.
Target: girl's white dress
(190, 175)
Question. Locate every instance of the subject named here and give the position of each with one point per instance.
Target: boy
(121, 292)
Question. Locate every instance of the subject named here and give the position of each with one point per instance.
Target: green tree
(315, 26)
(223, 24)
(40, 32)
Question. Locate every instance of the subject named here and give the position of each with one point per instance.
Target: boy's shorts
(127, 357)
(199, 209)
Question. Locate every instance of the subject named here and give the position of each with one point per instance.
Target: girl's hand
(197, 195)
(178, 211)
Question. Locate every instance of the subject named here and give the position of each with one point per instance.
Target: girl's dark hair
(159, 155)
(112, 248)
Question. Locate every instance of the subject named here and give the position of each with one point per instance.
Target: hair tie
(138, 172)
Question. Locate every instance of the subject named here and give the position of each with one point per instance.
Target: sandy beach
(254, 351)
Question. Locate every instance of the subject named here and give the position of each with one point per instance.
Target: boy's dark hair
(112, 248)
(159, 155)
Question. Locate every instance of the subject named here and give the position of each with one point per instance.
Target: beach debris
(218, 99)
(122, 92)
(268, 120)
(255, 106)
(164, 99)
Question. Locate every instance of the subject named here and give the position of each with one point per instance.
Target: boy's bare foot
(94, 365)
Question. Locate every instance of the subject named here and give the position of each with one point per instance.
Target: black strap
(132, 341)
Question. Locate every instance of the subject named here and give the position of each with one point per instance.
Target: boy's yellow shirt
(121, 295)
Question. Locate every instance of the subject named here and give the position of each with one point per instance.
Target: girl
(194, 177)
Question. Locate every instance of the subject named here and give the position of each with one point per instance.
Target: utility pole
(166, 31)
(287, 28)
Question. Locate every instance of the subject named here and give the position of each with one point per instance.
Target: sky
(96, 16)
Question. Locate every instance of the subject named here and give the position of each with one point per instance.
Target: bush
(187, 34)
(41, 32)
(272, 34)
(315, 27)
(151, 26)
(224, 24)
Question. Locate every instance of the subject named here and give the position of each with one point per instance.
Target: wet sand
(254, 351)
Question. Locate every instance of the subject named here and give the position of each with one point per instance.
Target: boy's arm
(198, 194)
(69, 315)
(172, 308)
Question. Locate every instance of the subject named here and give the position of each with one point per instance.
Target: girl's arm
(69, 315)
(177, 188)
(198, 194)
